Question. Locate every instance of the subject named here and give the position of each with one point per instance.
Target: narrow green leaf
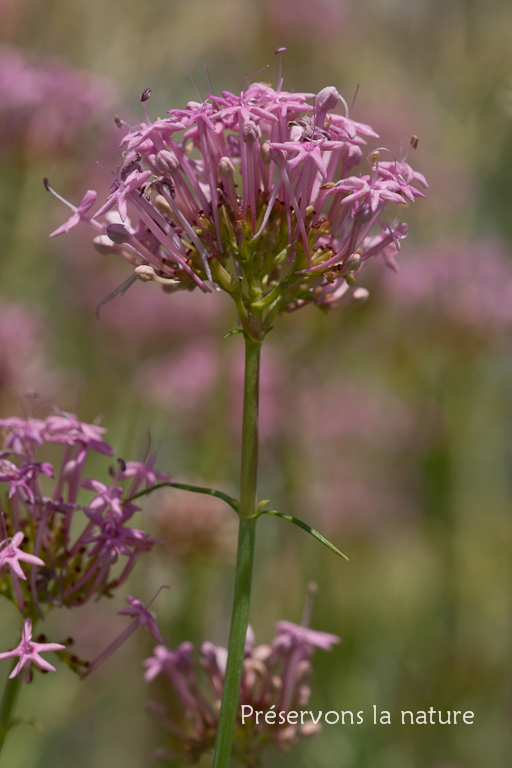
(306, 527)
(233, 503)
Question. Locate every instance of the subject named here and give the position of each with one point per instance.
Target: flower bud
(265, 152)
(327, 99)
(103, 245)
(353, 262)
(145, 273)
(278, 156)
(167, 161)
(162, 205)
(226, 168)
(250, 132)
(118, 234)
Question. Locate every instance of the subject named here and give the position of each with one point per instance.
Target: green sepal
(305, 527)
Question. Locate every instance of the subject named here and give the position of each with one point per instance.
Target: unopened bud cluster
(275, 681)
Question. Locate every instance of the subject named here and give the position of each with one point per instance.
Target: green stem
(233, 503)
(246, 538)
(7, 707)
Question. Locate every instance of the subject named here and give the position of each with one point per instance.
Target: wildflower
(255, 194)
(72, 547)
(29, 652)
(11, 555)
(275, 681)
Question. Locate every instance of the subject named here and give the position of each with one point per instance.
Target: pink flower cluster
(75, 550)
(275, 681)
(260, 194)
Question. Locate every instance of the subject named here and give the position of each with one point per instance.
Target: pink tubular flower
(257, 194)
(29, 652)
(142, 617)
(79, 214)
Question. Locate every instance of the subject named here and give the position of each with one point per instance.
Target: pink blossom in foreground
(11, 555)
(29, 652)
(274, 179)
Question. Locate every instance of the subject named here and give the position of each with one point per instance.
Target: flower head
(256, 194)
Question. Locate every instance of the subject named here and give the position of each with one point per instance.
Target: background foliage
(387, 426)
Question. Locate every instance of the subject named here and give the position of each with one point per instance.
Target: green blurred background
(387, 425)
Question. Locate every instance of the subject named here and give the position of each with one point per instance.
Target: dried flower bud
(118, 234)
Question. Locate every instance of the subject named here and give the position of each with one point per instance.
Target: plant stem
(7, 707)
(246, 538)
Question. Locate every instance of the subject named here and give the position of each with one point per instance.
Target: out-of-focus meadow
(387, 425)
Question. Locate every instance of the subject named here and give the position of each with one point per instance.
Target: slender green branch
(12, 687)
(246, 539)
(194, 488)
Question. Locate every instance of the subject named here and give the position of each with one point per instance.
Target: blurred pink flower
(45, 104)
(184, 383)
(181, 380)
(23, 340)
(464, 284)
(346, 430)
(323, 18)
